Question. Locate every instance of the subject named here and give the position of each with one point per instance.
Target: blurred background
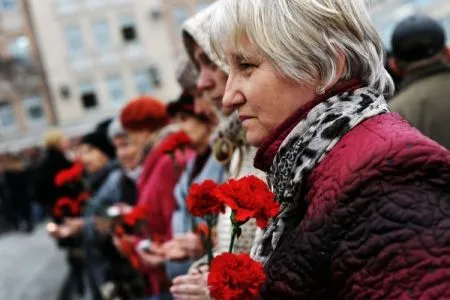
(72, 63)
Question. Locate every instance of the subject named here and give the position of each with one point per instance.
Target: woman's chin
(254, 139)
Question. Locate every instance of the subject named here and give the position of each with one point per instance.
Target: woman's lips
(244, 118)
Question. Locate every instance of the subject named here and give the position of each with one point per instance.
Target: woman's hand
(188, 245)
(150, 258)
(102, 225)
(71, 226)
(53, 230)
(193, 286)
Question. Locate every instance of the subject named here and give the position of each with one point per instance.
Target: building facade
(98, 54)
(25, 106)
(175, 13)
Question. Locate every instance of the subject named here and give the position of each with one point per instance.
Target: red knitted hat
(144, 112)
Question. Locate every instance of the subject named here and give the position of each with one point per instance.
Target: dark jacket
(376, 224)
(105, 191)
(424, 101)
(128, 190)
(46, 191)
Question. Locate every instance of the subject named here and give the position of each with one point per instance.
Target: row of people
(362, 192)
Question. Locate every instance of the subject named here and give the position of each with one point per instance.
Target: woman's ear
(394, 66)
(341, 64)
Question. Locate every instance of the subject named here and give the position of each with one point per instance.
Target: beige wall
(155, 49)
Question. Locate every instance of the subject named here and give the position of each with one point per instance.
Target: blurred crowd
(126, 165)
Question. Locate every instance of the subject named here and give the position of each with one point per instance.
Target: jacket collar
(424, 72)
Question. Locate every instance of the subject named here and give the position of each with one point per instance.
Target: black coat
(46, 191)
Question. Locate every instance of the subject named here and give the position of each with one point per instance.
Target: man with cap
(422, 59)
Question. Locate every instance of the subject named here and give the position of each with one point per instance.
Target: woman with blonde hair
(363, 194)
(54, 161)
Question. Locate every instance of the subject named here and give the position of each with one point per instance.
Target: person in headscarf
(229, 146)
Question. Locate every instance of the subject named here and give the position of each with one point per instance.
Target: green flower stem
(233, 237)
(209, 243)
(193, 223)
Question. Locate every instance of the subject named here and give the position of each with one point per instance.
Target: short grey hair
(303, 39)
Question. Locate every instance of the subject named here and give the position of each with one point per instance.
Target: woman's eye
(245, 65)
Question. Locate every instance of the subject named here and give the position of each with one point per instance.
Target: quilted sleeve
(392, 238)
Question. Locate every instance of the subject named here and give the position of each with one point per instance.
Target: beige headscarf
(196, 29)
(237, 154)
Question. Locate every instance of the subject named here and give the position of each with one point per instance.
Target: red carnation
(249, 197)
(137, 214)
(69, 175)
(79, 203)
(235, 277)
(83, 197)
(119, 231)
(129, 250)
(202, 200)
(175, 141)
(63, 206)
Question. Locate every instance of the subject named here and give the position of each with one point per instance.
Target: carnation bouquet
(72, 203)
(125, 279)
(128, 222)
(73, 198)
(235, 276)
(202, 202)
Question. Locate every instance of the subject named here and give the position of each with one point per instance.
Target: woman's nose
(205, 80)
(233, 97)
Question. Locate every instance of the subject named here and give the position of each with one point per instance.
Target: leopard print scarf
(304, 148)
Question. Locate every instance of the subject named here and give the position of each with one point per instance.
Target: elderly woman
(364, 195)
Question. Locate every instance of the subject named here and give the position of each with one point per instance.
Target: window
(33, 106)
(128, 28)
(88, 96)
(64, 92)
(101, 35)
(180, 14)
(7, 117)
(9, 4)
(155, 77)
(115, 90)
(74, 41)
(143, 82)
(20, 47)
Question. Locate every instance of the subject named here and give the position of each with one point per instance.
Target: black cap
(417, 37)
(103, 126)
(100, 141)
(184, 103)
